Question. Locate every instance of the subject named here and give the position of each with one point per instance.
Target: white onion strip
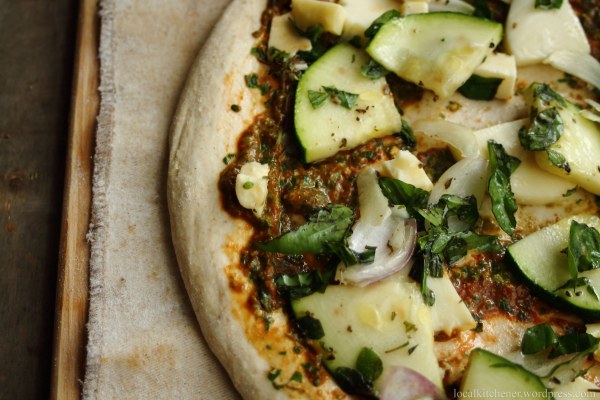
(394, 239)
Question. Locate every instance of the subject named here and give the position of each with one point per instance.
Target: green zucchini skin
(438, 51)
(540, 260)
(488, 374)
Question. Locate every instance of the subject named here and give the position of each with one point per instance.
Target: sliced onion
(582, 65)
(460, 138)
(594, 113)
(402, 383)
(395, 241)
(467, 177)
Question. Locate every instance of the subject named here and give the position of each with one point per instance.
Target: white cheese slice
(374, 208)
(407, 168)
(449, 313)
(330, 16)
(415, 7)
(532, 34)
(503, 66)
(251, 186)
(283, 36)
(360, 14)
(389, 317)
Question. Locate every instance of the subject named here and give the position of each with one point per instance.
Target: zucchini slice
(489, 376)
(361, 110)
(541, 258)
(438, 51)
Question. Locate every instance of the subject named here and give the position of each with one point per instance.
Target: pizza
(394, 199)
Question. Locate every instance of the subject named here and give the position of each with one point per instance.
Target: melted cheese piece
(448, 313)
(251, 186)
(503, 66)
(283, 36)
(330, 16)
(360, 14)
(407, 168)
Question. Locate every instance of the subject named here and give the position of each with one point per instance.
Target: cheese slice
(283, 36)
(330, 16)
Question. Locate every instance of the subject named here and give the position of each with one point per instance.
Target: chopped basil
(541, 337)
(402, 193)
(350, 257)
(407, 135)
(369, 364)
(277, 55)
(482, 9)
(504, 204)
(304, 284)
(373, 70)
(548, 4)
(352, 382)
(538, 338)
(248, 185)
(252, 82)
(227, 159)
(558, 160)
(310, 327)
(480, 88)
(327, 226)
(380, 21)
(359, 380)
(545, 129)
(317, 99)
(345, 99)
(570, 192)
(584, 248)
(235, 108)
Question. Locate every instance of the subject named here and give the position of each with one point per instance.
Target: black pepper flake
(235, 108)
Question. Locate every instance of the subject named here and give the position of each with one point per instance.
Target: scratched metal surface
(36, 57)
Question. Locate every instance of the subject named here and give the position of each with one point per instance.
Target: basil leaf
(317, 99)
(346, 99)
(583, 252)
(373, 70)
(380, 21)
(402, 193)
(304, 284)
(504, 205)
(369, 365)
(572, 343)
(252, 83)
(350, 257)
(352, 382)
(545, 129)
(548, 4)
(558, 160)
(407, 135)
(329, 225)
(310, 327)
(482, 9)
(545, 94)
(480, 88)
(538, 338)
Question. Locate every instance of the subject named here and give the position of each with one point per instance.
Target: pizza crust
(204, 130)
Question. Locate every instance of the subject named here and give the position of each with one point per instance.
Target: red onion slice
(395, 240)
(402, 383)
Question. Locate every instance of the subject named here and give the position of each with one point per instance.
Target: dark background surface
(37, 39)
